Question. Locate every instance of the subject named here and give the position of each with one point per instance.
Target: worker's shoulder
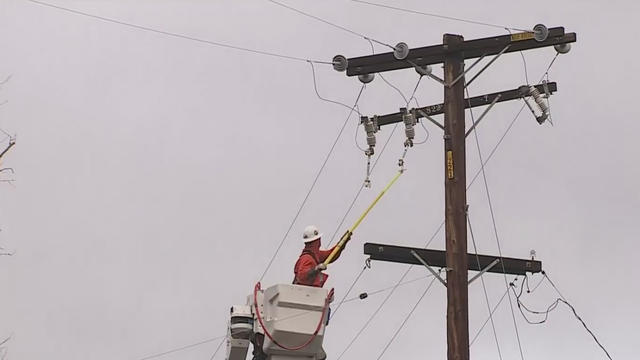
(307, 255)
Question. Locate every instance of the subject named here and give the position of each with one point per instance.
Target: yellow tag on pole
(522, 36)
(449, 164)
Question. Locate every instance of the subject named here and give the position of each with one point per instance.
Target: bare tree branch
(6, 80)
(5, 340)
(12, 142)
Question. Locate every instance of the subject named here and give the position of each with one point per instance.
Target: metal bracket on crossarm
(493, 263)
(433, 272)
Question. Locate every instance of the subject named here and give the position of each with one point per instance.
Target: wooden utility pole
(452, 53)
(455, 202)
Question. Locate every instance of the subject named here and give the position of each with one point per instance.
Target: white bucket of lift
(291, 314)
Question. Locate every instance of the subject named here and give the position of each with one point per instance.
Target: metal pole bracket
(433, 272)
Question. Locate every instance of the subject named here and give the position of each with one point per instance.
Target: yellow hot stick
(347, 235)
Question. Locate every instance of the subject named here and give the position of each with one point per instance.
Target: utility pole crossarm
(470, 49)
(476, 101)
(437, 259)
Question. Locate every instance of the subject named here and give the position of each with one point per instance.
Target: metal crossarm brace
(470, 49)
(433, 272)
(482, 116)
(434, 121)
(476, 101)
(494, 263)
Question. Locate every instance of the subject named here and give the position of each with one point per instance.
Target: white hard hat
(311, 233)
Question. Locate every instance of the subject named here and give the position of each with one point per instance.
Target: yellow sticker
(521, 36)
(450, 164)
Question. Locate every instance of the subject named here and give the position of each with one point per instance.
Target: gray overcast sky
(155, 176)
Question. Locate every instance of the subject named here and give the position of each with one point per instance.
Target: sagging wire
(315, 88)
(371, 126)
(176, 35)
(564, 300)
(524, 61)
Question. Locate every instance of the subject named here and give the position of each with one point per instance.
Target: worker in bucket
(308, 271)
(310, 264)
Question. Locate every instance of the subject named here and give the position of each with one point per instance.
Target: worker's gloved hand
(320, 267)
(347, 236)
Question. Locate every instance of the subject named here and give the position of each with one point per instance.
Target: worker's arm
(308, 270)
(323, 254)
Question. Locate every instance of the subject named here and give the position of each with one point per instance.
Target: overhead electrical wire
(575, 313)
(313, 184)
(329, 23)
(493, 221)
(315, 88)
(404, 322)
(217, 349)
(373, 166)
(482, 171)
(176, 35)
(183, 347)
(445, 17)
(478, 173)
(484, 287)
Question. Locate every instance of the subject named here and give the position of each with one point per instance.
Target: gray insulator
(562, 48)
(366, 78)
(340, 63)
(540, 32)
(410, 131)
(409, 122)
(369, 127)
(371, 140)
(401, 51)
(544, 109)
(539, 100)
(423, 70)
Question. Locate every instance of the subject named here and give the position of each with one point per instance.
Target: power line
(315, 88)
(366, 324)
(329, 23)
(493, 220)
(489, 318)
(313, 184)
(575, 313)
(437, 15)
(365, 267)
(482, 171)
(184, 347)
(404, 322)
(484, 287)
(217, 349)
(175, 35)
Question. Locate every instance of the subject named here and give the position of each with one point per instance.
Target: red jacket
(310, 257)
